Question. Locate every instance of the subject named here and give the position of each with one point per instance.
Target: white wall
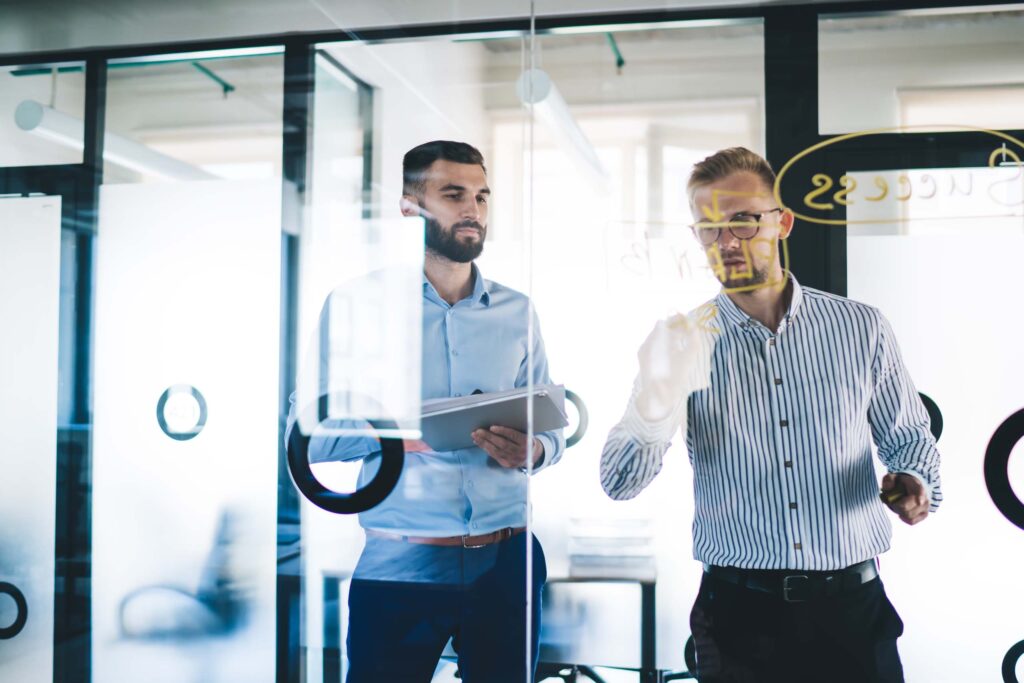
(863, 67)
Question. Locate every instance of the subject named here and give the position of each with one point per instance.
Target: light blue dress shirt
(478, 344)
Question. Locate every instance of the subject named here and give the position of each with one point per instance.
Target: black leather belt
(798, 586)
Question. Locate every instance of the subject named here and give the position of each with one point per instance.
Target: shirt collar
(732, 313)
(481, 288)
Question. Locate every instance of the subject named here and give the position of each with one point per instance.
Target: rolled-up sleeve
(633, 452)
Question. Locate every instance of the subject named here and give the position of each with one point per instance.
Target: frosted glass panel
(30, 282)
(950, 299)
(185, 442)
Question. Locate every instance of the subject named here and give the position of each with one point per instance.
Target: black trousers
(398, 628)
(743, 635)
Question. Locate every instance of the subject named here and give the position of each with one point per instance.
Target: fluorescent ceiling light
(650, 26)
(199, 56)
(48, 123)
(536, 87)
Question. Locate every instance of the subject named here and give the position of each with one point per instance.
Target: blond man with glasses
(780, 399)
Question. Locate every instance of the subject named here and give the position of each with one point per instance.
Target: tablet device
(448, 423)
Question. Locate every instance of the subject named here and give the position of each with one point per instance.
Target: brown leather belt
(478, 541)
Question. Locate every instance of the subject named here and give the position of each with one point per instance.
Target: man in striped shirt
(780, 391)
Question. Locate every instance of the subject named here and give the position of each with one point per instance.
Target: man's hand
(665, 357)
(507, 446)
(415, 446)
(905, 495)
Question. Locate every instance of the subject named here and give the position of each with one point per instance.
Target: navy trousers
(743, 635)
(407, 600)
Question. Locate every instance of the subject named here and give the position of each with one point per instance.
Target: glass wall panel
(187, 379)
(942, 276)
(621, 115)
(432, 579)
(196, 116)
(30, 280)
(928, 68)
(42, 114)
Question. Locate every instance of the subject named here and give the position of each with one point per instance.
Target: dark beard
(448, 245)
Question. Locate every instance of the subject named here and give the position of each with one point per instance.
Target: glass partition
(929, 69)
(194, 116)
(430, 582)
(939, 273)
(42, 114)
(187, 381)
(30, 253)
(621, 115)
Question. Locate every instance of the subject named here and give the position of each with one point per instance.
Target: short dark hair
(724, 163)
(418, 159)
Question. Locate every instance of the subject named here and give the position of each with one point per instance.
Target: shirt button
(771, 342)
(792, 506)
(788, 463)
(469, 484)
(783, 423)
(454, 352)
(797, 546)
(778, 380)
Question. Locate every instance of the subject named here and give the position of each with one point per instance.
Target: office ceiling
(49, 25)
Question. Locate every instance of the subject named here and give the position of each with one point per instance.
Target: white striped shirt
(779, 436)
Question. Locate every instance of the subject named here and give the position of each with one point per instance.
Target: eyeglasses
(742, 226)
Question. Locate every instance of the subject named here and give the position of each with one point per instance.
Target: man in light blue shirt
(445, 553)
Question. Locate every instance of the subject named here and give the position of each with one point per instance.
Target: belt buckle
(466, 545)
(786, 587)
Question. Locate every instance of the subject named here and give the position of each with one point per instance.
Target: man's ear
(786, 221)
(409, 205)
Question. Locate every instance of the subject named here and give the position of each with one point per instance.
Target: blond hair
(724, 163)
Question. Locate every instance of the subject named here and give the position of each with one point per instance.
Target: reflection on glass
(930, 68)
(30, 280)
(41, 114)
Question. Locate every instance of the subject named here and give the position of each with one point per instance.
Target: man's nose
(471, 210)
(726, 240)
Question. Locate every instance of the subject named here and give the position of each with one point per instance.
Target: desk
(648, 670)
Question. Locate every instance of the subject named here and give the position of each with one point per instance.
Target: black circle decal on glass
(1010, 663)
(8, 632)
(584, 419)
(181, 412)
(997, 461)
(934, 414)
(392, 459)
